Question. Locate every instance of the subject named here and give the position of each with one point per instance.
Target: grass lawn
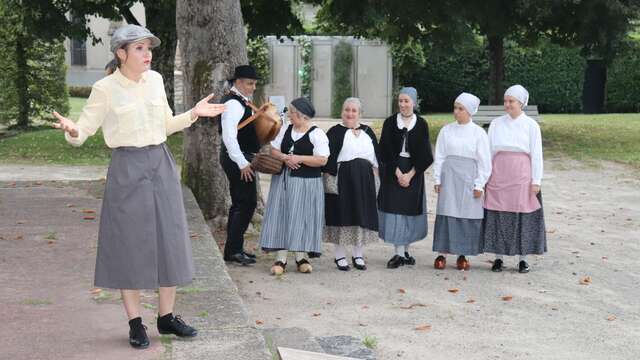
(612, 137)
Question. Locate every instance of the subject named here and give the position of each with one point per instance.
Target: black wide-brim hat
(245, 72)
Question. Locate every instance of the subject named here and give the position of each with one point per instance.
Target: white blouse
(357, 147)
(317, 137)
(400, 124)
(521, 134)
(469, 141)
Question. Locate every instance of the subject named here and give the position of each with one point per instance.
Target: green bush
(258, 53)
(80, 91)
(623, 80)
(342, 87)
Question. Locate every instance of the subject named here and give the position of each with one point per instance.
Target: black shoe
(138, 338)
(241, 259)
(523, 267)
(341, 268)
(249, 255)
(356, 265)
(409, 260)
(170, 324)
(497, 265)
(395, 262)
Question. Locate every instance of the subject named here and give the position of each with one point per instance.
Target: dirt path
(593, 224)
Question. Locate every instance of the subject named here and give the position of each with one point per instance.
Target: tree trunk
(496, 69)
(212, 43)
(595, 80)
(161, 21)
(22, 85)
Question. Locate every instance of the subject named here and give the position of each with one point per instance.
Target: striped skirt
(294, 216)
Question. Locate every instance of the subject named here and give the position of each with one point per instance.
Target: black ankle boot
(169, 324)
(137, 334)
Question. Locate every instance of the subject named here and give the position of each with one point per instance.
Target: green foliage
(342, 87)
(258, 53)
(270, 17)
(80, 91)
(623, 92)
(306, 71)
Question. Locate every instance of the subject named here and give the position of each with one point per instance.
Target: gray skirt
(294, 216)
(143, 242)
(403, 230)
(458, 225)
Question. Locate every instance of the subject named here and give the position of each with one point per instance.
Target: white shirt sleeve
(320, 142)
(230, 119)
(535, 141)
(483, 158)
(440, 156)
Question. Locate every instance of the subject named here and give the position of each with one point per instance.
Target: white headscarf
(518, 92)
(469, 101)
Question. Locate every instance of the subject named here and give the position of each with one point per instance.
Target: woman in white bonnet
(461, 168)
(514, 219)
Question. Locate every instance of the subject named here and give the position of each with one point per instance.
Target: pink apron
(509, 187)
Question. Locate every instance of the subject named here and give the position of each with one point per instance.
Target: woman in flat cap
(461, 168)
(514, 219)
(405, 154)
(143, 241)
(294, 216)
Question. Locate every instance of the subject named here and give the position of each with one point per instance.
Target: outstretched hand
(204, 108)
(65, 124)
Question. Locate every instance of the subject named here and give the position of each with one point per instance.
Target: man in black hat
(238, 149)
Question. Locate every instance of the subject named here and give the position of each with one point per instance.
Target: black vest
(247, 137)
(302, 146)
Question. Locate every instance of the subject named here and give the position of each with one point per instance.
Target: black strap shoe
(395, 262)
(138, 338)
(241, 258)
(523, 267)
(249, 255)
(176, 326)
(358, 266)
(497, 265)
(409, 260)
(340, 267)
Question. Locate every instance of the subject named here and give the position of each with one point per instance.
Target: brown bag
(265, 163)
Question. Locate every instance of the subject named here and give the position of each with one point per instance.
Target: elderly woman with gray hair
(294, 217)
(351, 215)
(514, 219)
(405, 154)
(461, 169)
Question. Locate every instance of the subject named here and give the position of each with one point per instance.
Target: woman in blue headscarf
(405, 154)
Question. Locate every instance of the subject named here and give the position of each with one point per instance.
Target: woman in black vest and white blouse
(294, 217)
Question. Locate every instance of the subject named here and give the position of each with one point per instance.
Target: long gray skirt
(458, 225)
(402, 230)
(294, 217)
(143, 242)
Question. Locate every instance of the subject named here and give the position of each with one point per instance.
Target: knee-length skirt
(143, 241)
(294, 216)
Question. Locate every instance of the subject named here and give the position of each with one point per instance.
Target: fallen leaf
(605, 258)
(259, 322)
(402, 291)
(278, 318)
(611, 318)
(585, 280)
(446, 278)
(95, 291)
(554, 308)
(19, 237)
(88, 211)
(453, 291)
(362, 324)
(39, 183)
(507, 298)
(470, 301)
(412, 306)
(316, 314)
(89, 218)
(19, 222)
(365, 306)
(423, 327)
(51, 242)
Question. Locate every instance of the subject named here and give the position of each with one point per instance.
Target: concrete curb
(214, 305)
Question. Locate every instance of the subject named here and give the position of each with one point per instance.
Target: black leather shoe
(523, 267)
(497, 265)
(138, 338)
(395, 262)
(249, 255)
(241, 259)
(356, 265)
(409, 260)
(176, 326)
(341, 268)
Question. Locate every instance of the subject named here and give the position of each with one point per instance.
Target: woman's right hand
(291, 162)
(66, 125)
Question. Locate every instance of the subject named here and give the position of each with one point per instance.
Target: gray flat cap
(131, 33)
